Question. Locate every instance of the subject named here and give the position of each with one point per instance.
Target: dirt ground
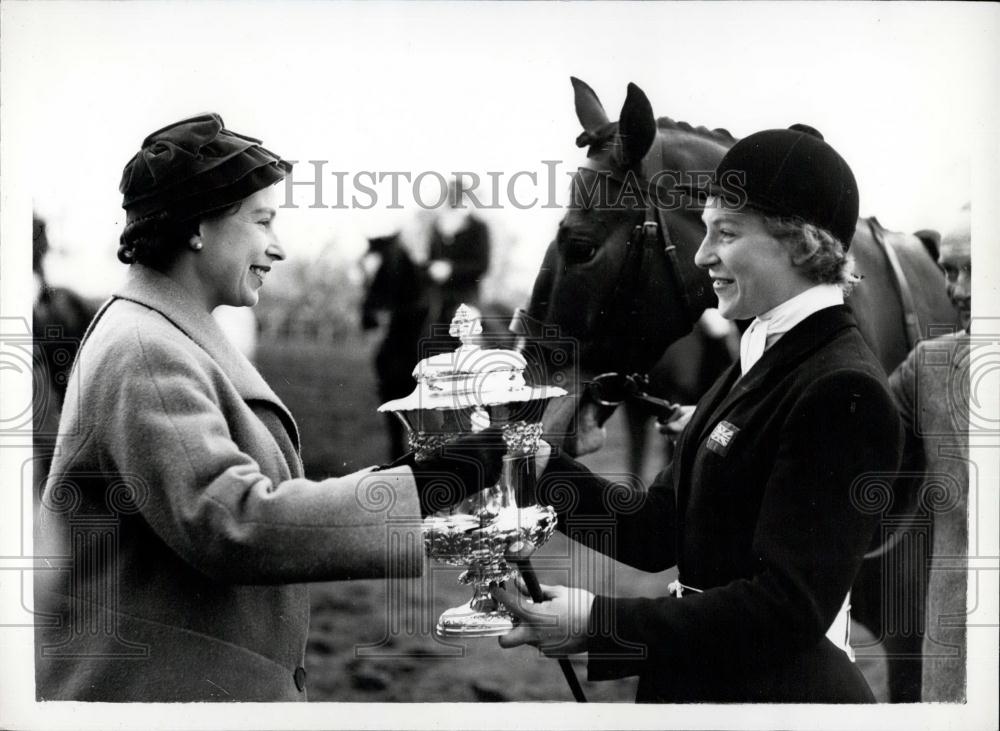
(356, 653)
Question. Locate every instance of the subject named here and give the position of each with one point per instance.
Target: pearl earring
(196, 245)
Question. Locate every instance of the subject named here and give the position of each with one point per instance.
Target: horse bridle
(645, 239)
(651, 232)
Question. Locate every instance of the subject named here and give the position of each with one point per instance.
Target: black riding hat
(790, 172)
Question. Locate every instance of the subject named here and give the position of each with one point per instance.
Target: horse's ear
(636, 126)
(589, 109)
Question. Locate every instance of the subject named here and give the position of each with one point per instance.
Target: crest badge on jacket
(721, 437)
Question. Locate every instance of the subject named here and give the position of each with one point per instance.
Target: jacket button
(300, 678)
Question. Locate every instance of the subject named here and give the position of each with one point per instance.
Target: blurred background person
(59, 319)
(931, 388)
(395, 300)
(457, 261)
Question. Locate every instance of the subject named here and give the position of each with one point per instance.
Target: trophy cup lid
(470, 376)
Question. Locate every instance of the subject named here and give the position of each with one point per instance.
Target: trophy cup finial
(465, 325)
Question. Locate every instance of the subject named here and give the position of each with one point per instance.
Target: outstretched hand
(557, 626)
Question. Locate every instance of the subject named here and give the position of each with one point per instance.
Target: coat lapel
(687, 446)
(712, 401)
(159, 292)
(794, 346)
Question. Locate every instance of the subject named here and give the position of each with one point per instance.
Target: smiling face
(955, 260)
(752, 272)
(237, 251)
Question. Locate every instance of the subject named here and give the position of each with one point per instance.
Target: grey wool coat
(931, 389)
(176, 525)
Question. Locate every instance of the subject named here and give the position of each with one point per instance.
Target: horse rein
(611, 390)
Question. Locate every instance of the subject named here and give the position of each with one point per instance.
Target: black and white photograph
(448, 365)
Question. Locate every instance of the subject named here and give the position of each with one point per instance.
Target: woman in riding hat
(766, 509)
(177, 520)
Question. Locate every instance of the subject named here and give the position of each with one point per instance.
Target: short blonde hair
(827, 263)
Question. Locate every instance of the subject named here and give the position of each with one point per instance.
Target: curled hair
(154, 240)
(825, 261)
(158, 239)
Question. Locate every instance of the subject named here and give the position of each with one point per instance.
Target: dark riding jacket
(767, 509)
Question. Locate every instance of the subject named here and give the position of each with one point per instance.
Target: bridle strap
(655, 224)
(646, 239)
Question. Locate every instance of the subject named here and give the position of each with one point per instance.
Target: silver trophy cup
(466, 391)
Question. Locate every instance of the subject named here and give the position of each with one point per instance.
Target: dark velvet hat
(194, 166)
(790, 172)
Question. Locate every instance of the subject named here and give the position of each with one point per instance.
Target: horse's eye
(574, 247)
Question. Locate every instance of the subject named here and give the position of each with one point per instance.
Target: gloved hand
(460, 468)
(673, 426)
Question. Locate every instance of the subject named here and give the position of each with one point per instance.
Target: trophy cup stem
(482, 616)
(508, 481)
(481, 600)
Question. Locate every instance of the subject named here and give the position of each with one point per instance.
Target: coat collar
(159, 292)
(793, 347)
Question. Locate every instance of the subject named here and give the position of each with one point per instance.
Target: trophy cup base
(465, 621)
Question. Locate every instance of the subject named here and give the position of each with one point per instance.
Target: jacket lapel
(712, 401)
(687, 446)
(159, 292)
(793, 347)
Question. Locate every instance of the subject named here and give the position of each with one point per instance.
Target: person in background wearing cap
(176, 506)
(931, 389)
(759, 509)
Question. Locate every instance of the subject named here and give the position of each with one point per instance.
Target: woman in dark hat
(178, 522)
(765, 510)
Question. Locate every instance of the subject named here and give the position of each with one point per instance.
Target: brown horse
(620, 281)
